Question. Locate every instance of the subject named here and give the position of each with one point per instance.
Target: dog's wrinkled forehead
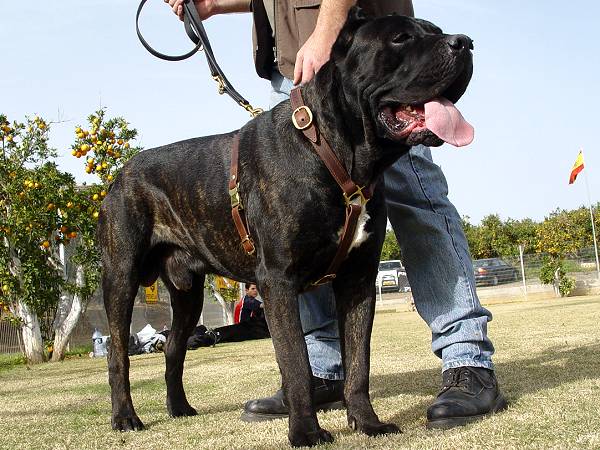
(398, 28)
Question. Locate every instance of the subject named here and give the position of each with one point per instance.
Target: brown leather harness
(355, 196)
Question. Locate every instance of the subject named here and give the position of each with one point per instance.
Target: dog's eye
(402, 38)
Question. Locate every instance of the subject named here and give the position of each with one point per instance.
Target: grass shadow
(552, 368)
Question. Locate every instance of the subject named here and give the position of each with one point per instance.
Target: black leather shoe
(327, 395)
(468, 394)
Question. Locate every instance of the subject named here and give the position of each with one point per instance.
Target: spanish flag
(577, 167)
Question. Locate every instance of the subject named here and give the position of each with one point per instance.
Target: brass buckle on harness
(357, 194)
(308, 113)
(235, 197)
(249, 239)
(324, 279)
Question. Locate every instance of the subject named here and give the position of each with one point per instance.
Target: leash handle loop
(197, 34)
(157, 53)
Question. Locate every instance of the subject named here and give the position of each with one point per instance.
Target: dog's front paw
(181, 410)
(308, 439)
(373, 427)
(131, 423)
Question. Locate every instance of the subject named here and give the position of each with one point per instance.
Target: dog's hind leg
(355, 302)
(187, 306)
(119, 286)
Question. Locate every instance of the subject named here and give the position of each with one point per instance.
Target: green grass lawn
(547, 360)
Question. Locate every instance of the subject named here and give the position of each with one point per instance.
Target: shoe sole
(451, 422)
(263, 417)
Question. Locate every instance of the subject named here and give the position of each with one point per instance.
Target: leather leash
(195, 31)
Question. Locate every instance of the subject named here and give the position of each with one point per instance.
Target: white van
(392, 277)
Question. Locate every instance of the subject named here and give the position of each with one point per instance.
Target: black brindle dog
(168, 212)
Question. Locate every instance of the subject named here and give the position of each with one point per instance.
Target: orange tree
(104, 146)
(43, 215)
(563, 233)
(32, 193)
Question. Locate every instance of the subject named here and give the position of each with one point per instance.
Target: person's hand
(314, 53)
(206, 8)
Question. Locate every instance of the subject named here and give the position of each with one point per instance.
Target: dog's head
(406, 75)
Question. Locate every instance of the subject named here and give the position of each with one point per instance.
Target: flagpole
(587, 187)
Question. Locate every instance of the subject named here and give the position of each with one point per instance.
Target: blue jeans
(438, 265)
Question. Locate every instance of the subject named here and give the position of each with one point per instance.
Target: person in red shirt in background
(249, 306)
(250, 323)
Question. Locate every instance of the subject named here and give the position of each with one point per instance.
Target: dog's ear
(356, 18)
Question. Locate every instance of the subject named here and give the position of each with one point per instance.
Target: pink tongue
(446, 122)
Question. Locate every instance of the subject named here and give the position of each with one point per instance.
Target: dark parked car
(493, 271)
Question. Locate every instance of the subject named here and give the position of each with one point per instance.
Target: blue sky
(533, 99)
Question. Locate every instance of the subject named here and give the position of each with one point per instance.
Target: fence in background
(580, 266)
(158, 315)
(522, 281)
(10, 339)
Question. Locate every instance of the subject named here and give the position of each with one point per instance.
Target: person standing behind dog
(426, 224)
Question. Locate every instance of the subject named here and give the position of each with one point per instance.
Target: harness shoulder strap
(237, 210)
(355, 197)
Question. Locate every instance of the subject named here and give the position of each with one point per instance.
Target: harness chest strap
(303, 120)
(237, 212)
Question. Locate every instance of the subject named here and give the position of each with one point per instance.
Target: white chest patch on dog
(360, 235)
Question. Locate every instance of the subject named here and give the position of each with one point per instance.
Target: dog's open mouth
(431, 123)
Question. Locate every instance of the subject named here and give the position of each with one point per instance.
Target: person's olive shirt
(293, 22)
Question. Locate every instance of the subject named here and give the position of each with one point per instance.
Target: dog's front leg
(281, 310)
(356, 309)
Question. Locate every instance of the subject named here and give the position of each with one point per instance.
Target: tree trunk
(68, 314)
(31, 333)
(225, 306)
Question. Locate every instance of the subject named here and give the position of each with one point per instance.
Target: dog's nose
(459, 42)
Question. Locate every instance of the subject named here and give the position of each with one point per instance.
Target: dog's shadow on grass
(552, 368)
